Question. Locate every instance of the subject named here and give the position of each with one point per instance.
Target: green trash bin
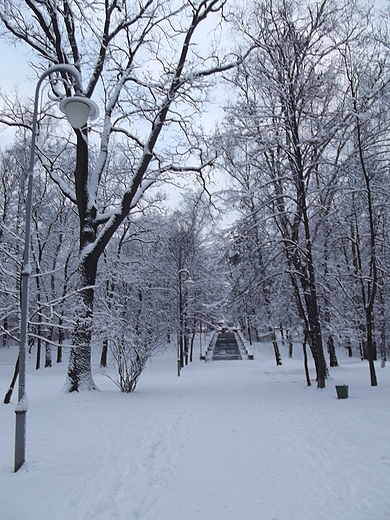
(342, 391)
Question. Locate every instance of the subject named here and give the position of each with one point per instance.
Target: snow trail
(228, 439)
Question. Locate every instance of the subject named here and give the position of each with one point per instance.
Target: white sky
(15, 73)
(14, 67)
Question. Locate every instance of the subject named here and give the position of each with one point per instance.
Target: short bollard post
(342, 391)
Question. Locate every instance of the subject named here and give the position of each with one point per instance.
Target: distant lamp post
(188, 283)
(201, 356)
(77, 110)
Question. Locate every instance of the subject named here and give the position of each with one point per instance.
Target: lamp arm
(55, 68)
(79, 90)
(183, 271)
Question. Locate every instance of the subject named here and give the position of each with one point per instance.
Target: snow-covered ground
(228, 440)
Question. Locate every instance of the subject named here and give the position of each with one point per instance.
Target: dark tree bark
(278, 357)
(79, 368)
(39, 345)
(349, 347)
(48, 356)
(60, 342)
(332, 352)
(290, 344)
(305, 360)
(249, 330)
(5, 335)
(382, 347)
(103, 356)
(282, 333)
(186, 348)
(192, 343)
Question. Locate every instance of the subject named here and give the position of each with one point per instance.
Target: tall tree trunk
(349, 346)
(186, 349)
(5, 335)
(327, 315)
(332, 352)
(39, 327)
(369, 349)
(39, 344)
(290, 344)
(249, 330)
(60, 338)
(181, 350)
(382, 347)
(79, 376)
(312, 309)
(48, 356)
(282, 333)
(305, 361)
(278, 357)
(302, 264)
(103, 356)
(369, 299)
(192, 343)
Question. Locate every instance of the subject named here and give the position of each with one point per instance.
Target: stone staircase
(226, 347)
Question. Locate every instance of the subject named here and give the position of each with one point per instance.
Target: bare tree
(288, 113)
(367, 83)
(143, 57)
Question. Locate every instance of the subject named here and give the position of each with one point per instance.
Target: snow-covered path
(228, 440)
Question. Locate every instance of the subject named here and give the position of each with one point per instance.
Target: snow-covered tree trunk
(79, 375)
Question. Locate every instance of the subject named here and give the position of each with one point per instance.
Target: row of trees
(305, 142)
(144, 60)
(137, 306)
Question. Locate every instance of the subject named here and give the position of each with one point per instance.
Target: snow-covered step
(226, 347)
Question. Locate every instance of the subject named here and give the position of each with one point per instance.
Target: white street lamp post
(77, 110)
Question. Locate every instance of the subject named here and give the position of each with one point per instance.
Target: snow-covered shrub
(131, 355)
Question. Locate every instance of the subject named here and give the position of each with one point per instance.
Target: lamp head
(189, 283)
(78, 109)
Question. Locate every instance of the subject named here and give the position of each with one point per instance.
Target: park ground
(227, 440)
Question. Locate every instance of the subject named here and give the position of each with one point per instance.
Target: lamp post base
(20, 439)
